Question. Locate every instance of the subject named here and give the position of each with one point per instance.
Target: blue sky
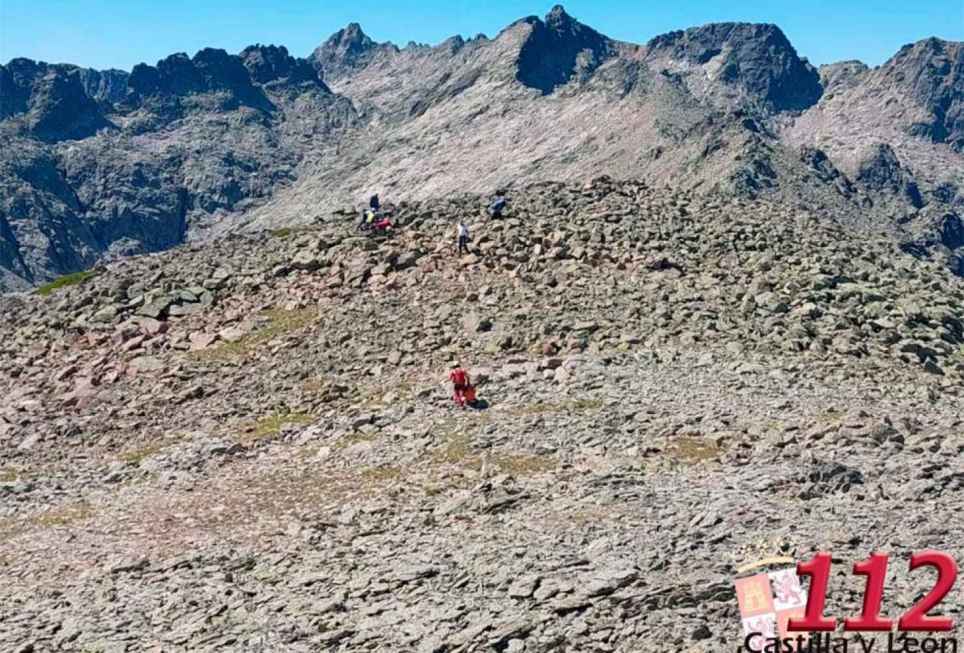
(103, 34)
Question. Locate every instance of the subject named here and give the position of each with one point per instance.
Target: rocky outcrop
(841, 75)
(560, 49)
(127, 188)
(210, 72)
(272, 66)
(51, 102)
(42, 226)
(16, 84)
(923, 85)
(932, 73)
(60, 108)
(756, 58)
(106, 86)
(345, 51)
(881, 171)
(890, 129)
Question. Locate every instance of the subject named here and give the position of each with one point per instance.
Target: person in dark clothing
(497, 206)
(373, 203)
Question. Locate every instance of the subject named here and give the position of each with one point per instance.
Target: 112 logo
(870, 620)
(775, 605)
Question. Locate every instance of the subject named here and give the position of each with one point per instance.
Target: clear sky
(119, 34)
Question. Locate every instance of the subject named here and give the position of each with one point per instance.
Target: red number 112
(875, 569)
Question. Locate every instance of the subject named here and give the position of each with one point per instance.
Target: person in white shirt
(464, 238)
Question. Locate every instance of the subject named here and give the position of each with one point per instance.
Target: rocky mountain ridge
(201, 145)
(192, 140)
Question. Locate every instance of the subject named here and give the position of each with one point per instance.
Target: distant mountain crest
(97, 164)
(932, 72)
(53, 99)
(210, 70)
(756, 57)
(841, 75)
(346, 50)
(270, 64)
(558, 49)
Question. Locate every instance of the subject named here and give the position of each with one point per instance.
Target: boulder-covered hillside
(208, 450)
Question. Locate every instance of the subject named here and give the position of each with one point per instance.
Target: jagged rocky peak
(109, 86)
(173, 75)
(353, 38)
(211, 70)
(559, 49)
(16, 81)
(19, 78)
(841, 75)
(272, 65)
(61, 109)
(932, 72)
(218, 69)
(52, 99)
(345, 50)
(758, 57)
(452, 44)
(558, 19)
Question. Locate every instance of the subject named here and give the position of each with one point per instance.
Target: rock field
(249, 445)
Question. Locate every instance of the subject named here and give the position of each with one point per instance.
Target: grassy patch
(136, 455)
(692, 449)
(278, 322)
(308, 453)
(537, 408)
(284, 232)
(380, 475)
(458, 451)
(63, 515)
(9, 475)
(288, 232)
(317, 385)
(830, 417)
(64, 281)
(9, 527)
(269, 426)
(355, 437)
(434, 490)
(584, 405)
(519, 465)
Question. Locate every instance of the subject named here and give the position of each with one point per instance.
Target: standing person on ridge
(374, 204)
(464, 237)
(461, 384)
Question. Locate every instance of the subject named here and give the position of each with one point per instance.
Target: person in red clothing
(461, 384)
(383, 225)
